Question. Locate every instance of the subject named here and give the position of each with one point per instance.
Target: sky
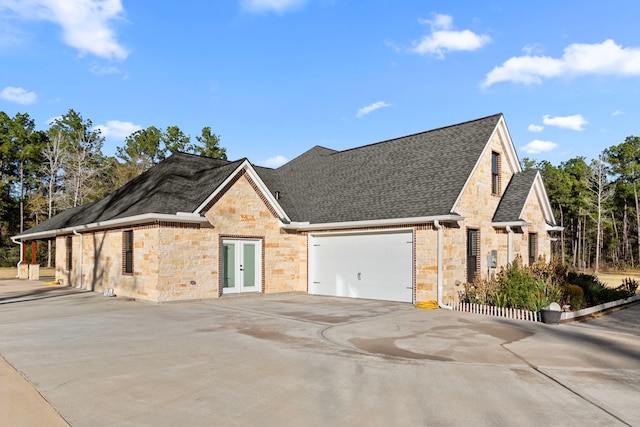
(274, 78)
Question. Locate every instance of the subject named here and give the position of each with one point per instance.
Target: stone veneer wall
(102, 262)
(241, 212)
(188, 267)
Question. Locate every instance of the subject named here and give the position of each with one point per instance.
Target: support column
(34, 268)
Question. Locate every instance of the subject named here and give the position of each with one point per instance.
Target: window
(127, 252)
(495, 173)
(69, 251)
(473, 253)
(533, 248)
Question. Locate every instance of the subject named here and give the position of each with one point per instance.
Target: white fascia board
(246, 166)
(305, 226)
(554, 228)
(266, 192)
(118, 223)
(510, 154)
(510, 224)
(545, 204)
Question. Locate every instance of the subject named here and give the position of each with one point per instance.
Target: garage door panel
(373, 266)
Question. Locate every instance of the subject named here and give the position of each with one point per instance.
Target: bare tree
(53, 155)
(602, 193)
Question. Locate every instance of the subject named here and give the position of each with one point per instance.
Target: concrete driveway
(279, 360)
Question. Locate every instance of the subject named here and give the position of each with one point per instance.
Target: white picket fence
(489, 310)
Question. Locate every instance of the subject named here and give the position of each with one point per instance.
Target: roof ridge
(419, 133)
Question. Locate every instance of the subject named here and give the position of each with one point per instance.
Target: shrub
(574, 296)
(595, 292)
(628, 288)
(536, 286)
(529, 288)
(481, 291)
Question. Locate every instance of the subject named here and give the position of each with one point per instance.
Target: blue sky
(275, 77)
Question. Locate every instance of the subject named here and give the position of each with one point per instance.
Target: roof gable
(513, 202)
(414, 176)
(502, 133)
(243, 168)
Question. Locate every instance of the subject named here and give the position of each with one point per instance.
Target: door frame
(259, 263)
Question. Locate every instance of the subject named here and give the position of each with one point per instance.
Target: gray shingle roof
(178, 184)
(413, 176)
(515, 196)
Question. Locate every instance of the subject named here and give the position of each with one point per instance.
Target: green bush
(574, 295)
(536, 286)
(595, 292)
(518, 286)
(629, 287)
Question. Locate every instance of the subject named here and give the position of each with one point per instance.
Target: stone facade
(173, 262)
(241, 212)
(178, 261)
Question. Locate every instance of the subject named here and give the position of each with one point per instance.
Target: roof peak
(423, 132)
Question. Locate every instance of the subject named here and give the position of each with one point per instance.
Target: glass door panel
(249, 265)
(228, 265)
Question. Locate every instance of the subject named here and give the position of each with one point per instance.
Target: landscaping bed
(543, 285)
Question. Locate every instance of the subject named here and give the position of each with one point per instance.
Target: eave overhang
(180, 217)
(306, 226)
(505, 224)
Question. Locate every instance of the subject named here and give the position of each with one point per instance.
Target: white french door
(241, 266)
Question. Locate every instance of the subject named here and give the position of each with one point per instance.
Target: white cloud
(535, 128)
(444, 38)
(575, 122)
(117, 129)
(86, 24)
(617, 113)
(537, 146)
(369, 108)
(274, 162)
(18, 95)
(606, 58)
(278, 6)
(101, 70)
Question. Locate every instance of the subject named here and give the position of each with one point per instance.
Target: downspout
(13, 239)
(81, 250)
(438, 227)
(509, 244)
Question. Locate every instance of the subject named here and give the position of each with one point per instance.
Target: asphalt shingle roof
(515, 196)
(413, 176)
(178, 184)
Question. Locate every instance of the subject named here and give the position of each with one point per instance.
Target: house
(408, 219)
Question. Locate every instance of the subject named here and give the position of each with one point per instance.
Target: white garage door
(373, 265)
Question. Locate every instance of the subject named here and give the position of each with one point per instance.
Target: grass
(12, 272)
(614, 279)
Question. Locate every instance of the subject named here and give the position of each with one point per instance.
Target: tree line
(597, 203)
(43, 172)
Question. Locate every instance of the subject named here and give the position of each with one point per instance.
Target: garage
(363, 265)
